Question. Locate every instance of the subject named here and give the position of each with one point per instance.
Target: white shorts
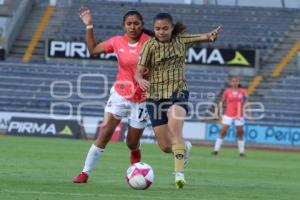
(229, 120)
(122, 107)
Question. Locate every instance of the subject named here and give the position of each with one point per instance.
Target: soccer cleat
(180, 184)
(214, 153)
(135, 156)
(188, 147)
(242, 155)
(81, 178)
(179, 180)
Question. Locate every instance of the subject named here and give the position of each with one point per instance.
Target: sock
(135, 156)
(179, 153)
(179, 176)
(91, 159)
(218, 144)
(241, 146)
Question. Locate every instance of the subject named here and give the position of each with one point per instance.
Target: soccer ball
(140, 176)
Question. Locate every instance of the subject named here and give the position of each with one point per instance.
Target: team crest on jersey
(121, 50)
(132, 50)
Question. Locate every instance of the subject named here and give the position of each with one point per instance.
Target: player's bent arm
(248, 110)
(86, 18)
(144, 84)
(92, 46)
(220, 107)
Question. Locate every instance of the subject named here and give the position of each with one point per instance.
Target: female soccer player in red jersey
(235, 98)
(126, 97)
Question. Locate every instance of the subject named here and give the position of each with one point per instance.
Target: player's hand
(213, 35)
(144, 84)
(85, 15)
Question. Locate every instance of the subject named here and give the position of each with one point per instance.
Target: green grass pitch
(42, 169)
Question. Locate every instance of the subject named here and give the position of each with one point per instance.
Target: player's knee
(166, 148)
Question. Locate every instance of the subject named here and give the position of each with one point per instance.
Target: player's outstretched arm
(202, 37)
(86, 18)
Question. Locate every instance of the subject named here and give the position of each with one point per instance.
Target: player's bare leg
(95, 152)
(219, 140)
(241, 141)
(133, 143)
(176, 115)
(163, 137)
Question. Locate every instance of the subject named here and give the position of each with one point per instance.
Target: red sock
(135, 156)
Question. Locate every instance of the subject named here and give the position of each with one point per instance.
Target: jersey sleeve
(145, 55)
(191, 38)
(108, 45)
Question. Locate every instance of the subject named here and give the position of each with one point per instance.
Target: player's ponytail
(179, 28)
(149, 32)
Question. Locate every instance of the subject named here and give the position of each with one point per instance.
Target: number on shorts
(141, 110)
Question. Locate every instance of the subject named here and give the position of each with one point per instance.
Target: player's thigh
(117, 105)
(107, 129)
(227, 120)
(239, 121)
(176, 115)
